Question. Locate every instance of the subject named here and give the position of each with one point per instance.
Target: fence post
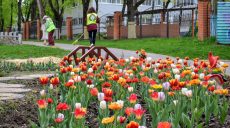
(1, 35)
(167, 23)
(69, 28)
(38, 29)
(140, 25)
(193, 23)
(27, 34)
(116, 25)
(20, 38)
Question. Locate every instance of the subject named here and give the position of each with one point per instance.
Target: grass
(180, 47)
(29, 51)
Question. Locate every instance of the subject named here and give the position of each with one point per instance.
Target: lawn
(181, 47)
(29, 51)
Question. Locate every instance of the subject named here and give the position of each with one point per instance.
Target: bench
(10, 38)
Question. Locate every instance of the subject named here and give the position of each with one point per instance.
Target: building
(108, 7)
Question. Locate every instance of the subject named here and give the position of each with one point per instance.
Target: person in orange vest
(91, 22)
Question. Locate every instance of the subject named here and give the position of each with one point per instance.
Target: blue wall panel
(223, 23)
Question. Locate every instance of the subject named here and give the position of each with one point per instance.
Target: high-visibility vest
(50, 25)
(91, 18)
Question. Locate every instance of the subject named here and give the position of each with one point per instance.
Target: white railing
(12, 36)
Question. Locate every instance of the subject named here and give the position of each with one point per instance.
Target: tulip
(154, 96)
(79, 113)
(60, 118)
(133, 98)
(44, 80)
(121, 103)
(114, 106)
(62, 107)
(166, 85)
(77, 105)
(137, 106)
(161, 96)
(77, 78)
(176, 71)
(121, 119)
(55, 81)
(50, 101)
(164, 125)
(132, 124)
(128, 111)
(103, 104)
(155, 71)
(107, 120)
(177, 77)
(100, 96)
(139, 113)
(142, 127)
(175, 102)
(42, 104)
(69, 83)
(51, 86)
(130, 89)
(43, 93)
(94, 92)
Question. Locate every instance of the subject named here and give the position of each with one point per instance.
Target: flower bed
(137, 92)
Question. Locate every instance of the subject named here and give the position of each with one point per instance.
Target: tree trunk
(19, 15)
(33, 10)
(130, 10)
(165, 7)
(124, 7)
(11, 15)
(1, 17)
(96, 1)
(85, 4)
(41, 9)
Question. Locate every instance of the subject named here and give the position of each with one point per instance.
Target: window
(157, 2)
(110, 1)
(148, 2)
(80, 21)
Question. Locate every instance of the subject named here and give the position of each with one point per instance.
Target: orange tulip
(128, 111)
(94, 91)
(115, 106)
(164, 125)
(132, 124)
(44, 80)
(55, 81)
(80, 113)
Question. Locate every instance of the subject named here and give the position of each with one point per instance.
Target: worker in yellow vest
(91, 22)
(50, 28)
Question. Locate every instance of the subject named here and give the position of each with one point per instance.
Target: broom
(77, 40)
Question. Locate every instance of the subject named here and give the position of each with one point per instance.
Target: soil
(19, 113)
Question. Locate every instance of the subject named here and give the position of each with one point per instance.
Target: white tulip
(130, 89)
(175, 102)
(137, 106)
(90, 70)
(100, 96)
(120, 102)
(77, 105)
(43, 93)
(201, 76)
(180, 61)
(177, 77)
(60, 115)
(103, 104)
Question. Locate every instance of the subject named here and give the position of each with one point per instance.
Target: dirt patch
(55, 60)
(18, 113)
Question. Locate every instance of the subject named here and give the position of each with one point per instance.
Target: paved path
(16, 91)
(118, 52)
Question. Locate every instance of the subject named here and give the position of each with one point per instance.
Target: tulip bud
(121, 119)
(99, 60)
(161, 96)
(166, 85)
(155, 71)
(201, 76)
(175, 102)
(90, 70)
(180, 61)
(72, 73)
(51, 86)
(43, 93)
(126, 60)
(173, 65)
(78, 105)
(100, 96)
(149, 59)
(130, 89)
(137, 106)
(103, 104)
(177, 77)
(121, 103)
(176, 71)
(142, 127)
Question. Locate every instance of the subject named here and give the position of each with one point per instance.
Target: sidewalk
(118, 52)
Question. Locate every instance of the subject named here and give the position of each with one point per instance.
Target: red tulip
(133, 98)
(42, 104)
(139, 113)
(44, 80)
(164, 125)
(106, 84)
(94, 91)
(50, 100)
(128, 111)
(62, 107)
(54, 81)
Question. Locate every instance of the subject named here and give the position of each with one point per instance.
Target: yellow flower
(107, 120)
(115, 106)
(221, 91)
(121, 81)
(225, 65)
(186, 72)
(157, 86)
(150, 91)
(109, 73)
(194, 82)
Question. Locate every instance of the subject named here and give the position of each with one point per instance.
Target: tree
(165, 7)
(19, 14)
(41, 9)
(96, 1)
(132, 8)
(124, 7)
(85, 4)
(1, 17)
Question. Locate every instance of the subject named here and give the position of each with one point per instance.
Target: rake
(77, 40)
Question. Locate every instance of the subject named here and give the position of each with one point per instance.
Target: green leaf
(187, 121)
